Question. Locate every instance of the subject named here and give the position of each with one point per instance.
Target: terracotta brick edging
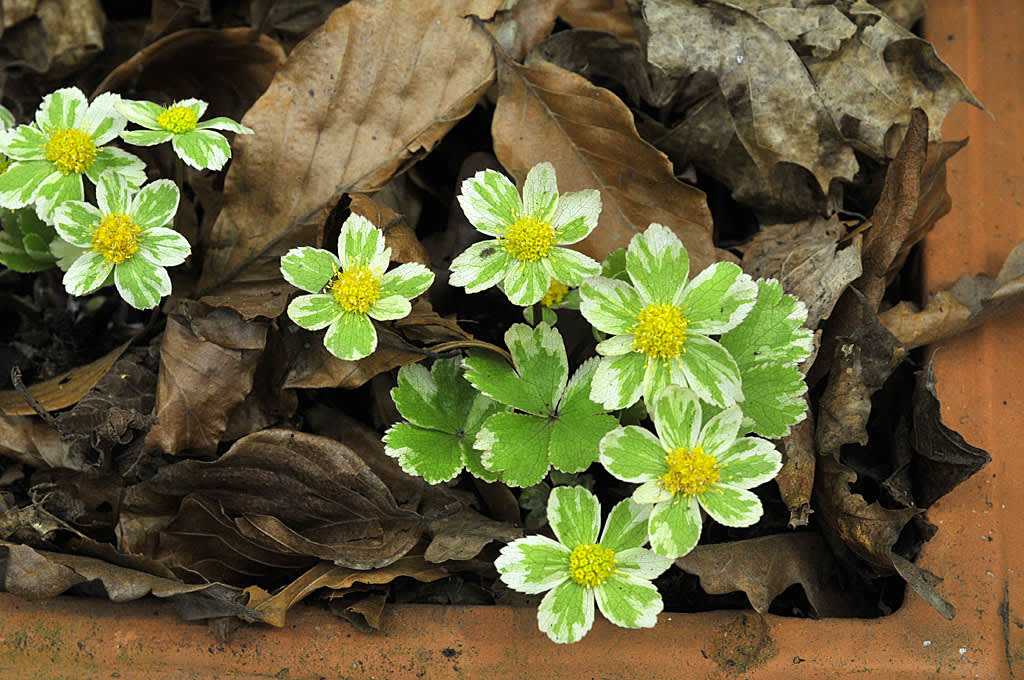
(977, 550)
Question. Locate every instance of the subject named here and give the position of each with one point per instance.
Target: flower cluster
(127, 238)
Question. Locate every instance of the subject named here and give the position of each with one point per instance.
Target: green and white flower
(661, 324)
(444, 414)
(579, 568)
(126, 234)
(558, 296)
(558, 425)
(688, 467)
(65, 142)
(525, 253)
(196, 143)
(352, 288)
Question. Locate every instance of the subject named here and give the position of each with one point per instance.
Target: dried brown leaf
(463, 535)
(207, 361)
(525, 25)
(29, 441)
(765, 567)
(273, 607)
(796, 478)
(970, 302)
(398, 235)
(547, 113)
(807, 257)
(56, 37)
(38, 574)
(62, 391)
(610, 16)
(359, 109)
(292, 495)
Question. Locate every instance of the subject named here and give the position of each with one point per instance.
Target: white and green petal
(574, 515)
(408, 280)
(534, 564)
(25, 143)
(156, 204)
(657, 264)
(314, 312)
(479, 267)
(626, 530)
(677, 417)
(351, 337)
(641, 562)
(719, 433)
(657, 376)
(202, 149)
(128, 166)
(435, 456)
(76, 222)
(566, 613)
(490, 202)
(113, 195)
(629, 601)
(101, 120)
(21, 181)
(516, 445)
(569, 266)
(619, 381)
(62, 109)
(89, 272)
(6, 118)
(652, 492)
(674, 526)
(141, 283)
(197, 106)
(526, 282)
(576, 215)
(141, 112)
(164, 247)
(309, 268)
(609, 305)
(615, 346)
(359, 242)
(390, 308)
(633, 454)
(222, 123)
(55, 190)
(146, 137)
(749, 462)
(540, 192)
(709, 370)
(731, 506)
(718, 299)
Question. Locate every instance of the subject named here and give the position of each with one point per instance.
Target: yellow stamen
(529, 239)
(178, 119)
(690, 471)
(660, 331)
(116, 238)
(356, 289)
(71, 151)
(591, 564)
(556, 293)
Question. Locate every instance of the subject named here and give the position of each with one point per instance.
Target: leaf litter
(225, 461)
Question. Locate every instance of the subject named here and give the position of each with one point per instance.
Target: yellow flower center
(116, 238)
(71, 151)
(556, 293)
(659, 331)
(530, 239)
(356, 289)
(690, 471)
(591, 564)
(178, 119)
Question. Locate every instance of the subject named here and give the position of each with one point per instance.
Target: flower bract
(661, 324)
(65, 142)
(443, 414)
(351, 288)
(688, 466)
(196, 142)
(526, 251)
(579, 568)
(126, 235)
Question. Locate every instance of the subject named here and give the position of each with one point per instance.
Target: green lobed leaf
(540, 373)
(433, 455)
(772, 331)
(516, 445)
(774, 399)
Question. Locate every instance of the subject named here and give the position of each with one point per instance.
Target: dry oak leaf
(765, 567)
(357, 101)
(609, 16)
(545, 112)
